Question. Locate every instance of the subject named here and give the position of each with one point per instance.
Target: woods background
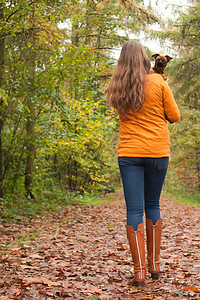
(58, 139)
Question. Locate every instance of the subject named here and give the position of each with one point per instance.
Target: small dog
(160, 64)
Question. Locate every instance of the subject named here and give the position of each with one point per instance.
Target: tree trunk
(30, 150)
(197, 150)
(75, 35)
(30, 124)
(1, 102)
(88, 23)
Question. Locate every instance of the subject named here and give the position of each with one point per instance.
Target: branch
(14, 12)
(16, 33)
(142, 10)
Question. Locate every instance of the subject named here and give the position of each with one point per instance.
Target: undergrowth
(182, 196)
(18, 207)
(177, 191)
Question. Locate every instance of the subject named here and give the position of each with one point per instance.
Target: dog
(160, 64)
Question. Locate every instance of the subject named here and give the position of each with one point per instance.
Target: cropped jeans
(142, 180)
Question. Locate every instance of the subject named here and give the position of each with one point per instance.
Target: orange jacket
(145, 133)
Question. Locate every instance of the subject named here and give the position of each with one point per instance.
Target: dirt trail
(83, 253)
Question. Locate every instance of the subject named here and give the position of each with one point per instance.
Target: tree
(184, 35)
(52, 83)
(1, 99)
(187, 42)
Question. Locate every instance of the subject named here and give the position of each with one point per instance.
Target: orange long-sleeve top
(145, 133)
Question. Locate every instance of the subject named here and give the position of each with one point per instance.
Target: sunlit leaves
(81, 140)
(185, 146)
(184, 72)
(58, 57)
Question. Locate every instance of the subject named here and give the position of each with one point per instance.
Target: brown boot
(153, 246)
(137, 246)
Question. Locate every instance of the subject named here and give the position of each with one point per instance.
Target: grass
(18, 208)
(178, 191)
(182, 196)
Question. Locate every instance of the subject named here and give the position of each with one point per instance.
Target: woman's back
(145, 133)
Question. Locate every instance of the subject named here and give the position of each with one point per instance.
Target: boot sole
(155, 275)
(139, 283)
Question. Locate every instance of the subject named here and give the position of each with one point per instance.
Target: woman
(144, 102)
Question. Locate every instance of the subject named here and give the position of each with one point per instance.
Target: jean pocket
(161, 163)
(128, 161)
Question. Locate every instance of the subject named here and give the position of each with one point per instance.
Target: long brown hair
(125, 90)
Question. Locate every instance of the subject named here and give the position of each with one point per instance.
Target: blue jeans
(142, 180)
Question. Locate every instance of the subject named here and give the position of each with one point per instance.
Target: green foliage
(184, 35)
(76, 148)
(185, 141)
(184, 72)
(175, 190)
(56, 133)
(19, 208)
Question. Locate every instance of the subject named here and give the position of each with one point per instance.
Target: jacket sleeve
(170, 107)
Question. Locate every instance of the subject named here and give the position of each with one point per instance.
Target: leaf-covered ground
(82, 253)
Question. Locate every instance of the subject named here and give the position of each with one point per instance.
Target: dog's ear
(155, 55)
(168, 58)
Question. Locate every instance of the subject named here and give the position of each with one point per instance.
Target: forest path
(83, 253)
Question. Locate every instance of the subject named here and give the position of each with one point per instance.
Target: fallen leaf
(91, 256)
(51, 283)
(32, 280)
(191, 288)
